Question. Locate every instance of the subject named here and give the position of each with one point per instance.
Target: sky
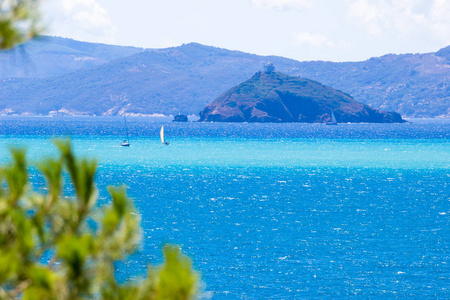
(304, 30)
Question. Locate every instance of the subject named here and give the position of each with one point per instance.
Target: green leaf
(74, 251)
(52, 171)
(43, 284)
(121, 203)
(82, 173)
(177, 280)
(16, 175)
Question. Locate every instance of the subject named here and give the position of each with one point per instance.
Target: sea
(274, 211)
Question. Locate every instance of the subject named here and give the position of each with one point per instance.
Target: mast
(125, 143)
(126, 128)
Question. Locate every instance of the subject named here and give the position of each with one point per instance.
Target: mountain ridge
(186, 78)
(49, 56)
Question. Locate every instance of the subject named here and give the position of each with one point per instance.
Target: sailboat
(333, 119)
(126, 142)
(161, 134)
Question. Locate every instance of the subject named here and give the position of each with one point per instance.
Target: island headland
(180, 118)
(271, 96)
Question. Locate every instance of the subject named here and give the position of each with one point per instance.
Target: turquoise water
(278, 212)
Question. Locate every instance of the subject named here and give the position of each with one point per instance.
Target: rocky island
(180, 118)
(271, 96)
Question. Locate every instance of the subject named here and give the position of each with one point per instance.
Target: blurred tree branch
(50, 247)
(19, 22)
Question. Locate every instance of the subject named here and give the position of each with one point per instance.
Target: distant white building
(269, 68)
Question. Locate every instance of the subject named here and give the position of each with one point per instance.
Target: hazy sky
(337, 30)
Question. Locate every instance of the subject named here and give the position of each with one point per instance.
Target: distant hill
(415, 85)
(83, 78)
(53, 56)
(275, 97)
(165, 81)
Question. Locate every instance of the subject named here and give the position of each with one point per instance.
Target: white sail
(333, 119)
(161, 134)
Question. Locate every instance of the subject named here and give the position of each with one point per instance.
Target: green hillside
(276, 97)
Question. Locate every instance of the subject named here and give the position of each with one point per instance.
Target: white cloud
(440, 20)
(316, 41)
(366, 13)
(283, 4)
(407, 17)
(78, 19)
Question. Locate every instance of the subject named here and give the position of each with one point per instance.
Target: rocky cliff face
(276, 97)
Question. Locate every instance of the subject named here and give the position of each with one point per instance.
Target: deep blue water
(277, 211)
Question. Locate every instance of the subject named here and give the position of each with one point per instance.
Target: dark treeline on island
(276, 97)
(180, 118)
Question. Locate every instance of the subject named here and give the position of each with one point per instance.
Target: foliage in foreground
(18, 22)
(55, 247)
